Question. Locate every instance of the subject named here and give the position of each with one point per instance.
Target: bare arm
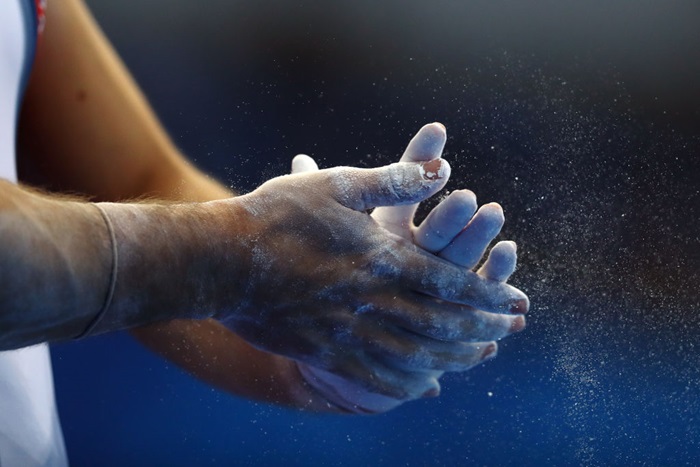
(54, 266)
(347, 290)
(86, 127)
(99, 137)
(59, 258)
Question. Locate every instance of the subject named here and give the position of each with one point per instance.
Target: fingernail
(490, 352)
(432, 392)
(440, 125)
(519, 307)
(517, 325)
(434, 170)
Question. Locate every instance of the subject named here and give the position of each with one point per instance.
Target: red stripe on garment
(40, 15)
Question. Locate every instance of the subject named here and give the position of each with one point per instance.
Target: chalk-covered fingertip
(303, 163)
(505, 247)
(434, 132)
(427, 144)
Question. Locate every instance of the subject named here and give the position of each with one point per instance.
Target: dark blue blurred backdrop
(580, 118)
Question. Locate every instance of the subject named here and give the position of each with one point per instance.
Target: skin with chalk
(447, 223)
(185, 267)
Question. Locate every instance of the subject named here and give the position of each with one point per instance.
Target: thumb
(303, 163)
(426, 145)
(392, 185)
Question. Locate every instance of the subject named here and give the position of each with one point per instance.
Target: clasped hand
(372, 300)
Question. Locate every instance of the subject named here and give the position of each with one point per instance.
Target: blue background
(580, 118)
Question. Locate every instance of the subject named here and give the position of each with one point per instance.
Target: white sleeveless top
(30, 433)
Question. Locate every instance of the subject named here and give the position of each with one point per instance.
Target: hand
(329, 287)
(448, 232)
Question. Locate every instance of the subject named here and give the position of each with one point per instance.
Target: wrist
(171, 260)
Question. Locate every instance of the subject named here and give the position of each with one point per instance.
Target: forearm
(58, 255)
(168, 259)
(86, 127)
(55, 266)
(219, 357)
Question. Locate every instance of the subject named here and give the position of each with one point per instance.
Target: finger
(430, 355)
(391, 185)
(303, 163)
(426, 145)
(446, 221)
(422, 272)
(444, 321)
(351, 360)
(501, 262)
(455, 356)
(377, 377)
(467, 249)
(362, 391)
(346, 394)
